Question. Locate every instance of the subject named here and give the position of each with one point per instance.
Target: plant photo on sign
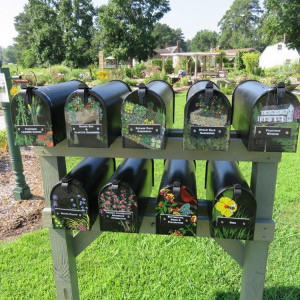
(141, 115)
(123, 201)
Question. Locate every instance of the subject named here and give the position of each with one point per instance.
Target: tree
(239, 25)
(282, 17)
(10, 54)
(204, 40)
(1, 53)
(126, 27)
(53, 31)
(39, 37)
(75, 19)
(164, 34)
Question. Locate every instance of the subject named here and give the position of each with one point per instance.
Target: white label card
(4, 97)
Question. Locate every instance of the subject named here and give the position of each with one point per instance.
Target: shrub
(136, 70)
(169, 66)
(251, 61)
(184, 81)
(60, 69)
(157, 62)
(131, 82)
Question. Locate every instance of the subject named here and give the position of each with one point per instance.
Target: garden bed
(18, 217)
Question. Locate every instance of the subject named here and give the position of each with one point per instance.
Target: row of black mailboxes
(265, 117)
(118, 196)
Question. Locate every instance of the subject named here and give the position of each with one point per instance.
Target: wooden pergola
(196, 56)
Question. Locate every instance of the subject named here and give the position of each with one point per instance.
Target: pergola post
(204, 63)
(196, 66)
(163, 64)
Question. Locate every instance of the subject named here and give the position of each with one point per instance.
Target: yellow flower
(13, 91)
(226, 206)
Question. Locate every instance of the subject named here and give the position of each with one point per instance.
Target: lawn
(140, 266)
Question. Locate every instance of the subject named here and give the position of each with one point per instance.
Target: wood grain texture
(263, 184)
(174, 150)
(64, 264)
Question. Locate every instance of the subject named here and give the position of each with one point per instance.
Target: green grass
(139, 266)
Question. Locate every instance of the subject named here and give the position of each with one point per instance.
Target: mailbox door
(176, 212)
(207, 127)
(143, 126)
(86, 123)
(32, 121)
(275, 128)
(70, 209)
(118, 209)
(233, 218)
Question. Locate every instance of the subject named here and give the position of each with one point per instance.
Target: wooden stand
(251, 255)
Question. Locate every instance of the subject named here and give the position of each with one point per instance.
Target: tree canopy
(282, 17)
(164, 34)
(239, 24)
(52, 31)
(204, 40)
(126, 27)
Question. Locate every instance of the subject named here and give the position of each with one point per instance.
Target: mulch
(23, 216)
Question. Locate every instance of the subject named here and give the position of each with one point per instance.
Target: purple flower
(74, 205)
(79, 196)
(72, 200)
(54, 203)
(54, 197)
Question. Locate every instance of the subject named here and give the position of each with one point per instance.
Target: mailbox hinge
(176, 188)
(280, 91)
(26, 92)
(237, 191)
(82, 92)
(115, 186)
(65, 184)
(142, 93)
(209, 91)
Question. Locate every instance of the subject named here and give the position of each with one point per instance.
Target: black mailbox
(38, 113)
(74, 202)
(147, 113)
(177, 199)
(207, 118)
(265, 117)
(120, 199)
(93, 115)
(234, 206)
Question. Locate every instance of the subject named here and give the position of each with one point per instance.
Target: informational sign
(4, 96)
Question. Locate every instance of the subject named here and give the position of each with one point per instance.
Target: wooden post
(196, 67)
(163, 64)
(263, 184)
(101, 61)
(63, 256)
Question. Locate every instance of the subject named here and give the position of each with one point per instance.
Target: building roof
(276, 107)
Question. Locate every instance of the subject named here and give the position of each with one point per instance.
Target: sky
(189, 15)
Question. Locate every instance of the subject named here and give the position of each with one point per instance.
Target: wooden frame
(251, 255)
